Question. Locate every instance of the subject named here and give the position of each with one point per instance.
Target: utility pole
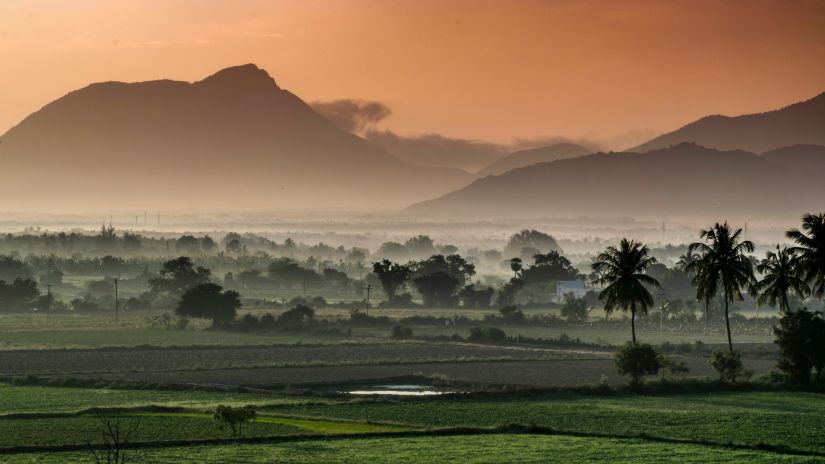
(116, 315)
(48, 304)
(368, 288)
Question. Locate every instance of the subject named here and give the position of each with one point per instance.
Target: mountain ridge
(797, 123)
(683, 180)
(236, 130)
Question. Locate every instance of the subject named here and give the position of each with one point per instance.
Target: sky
(613, 71)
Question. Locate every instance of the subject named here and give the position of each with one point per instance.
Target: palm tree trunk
(727, 323)
(633, 323)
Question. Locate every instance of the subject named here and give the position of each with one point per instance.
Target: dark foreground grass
(465, 449)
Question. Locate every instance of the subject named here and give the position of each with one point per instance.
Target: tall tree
(515, 266)
(780, 278)
(811, 251)
(623, 270)
(723, 259)
(211, 302)
(393, 276)
(176, 276)
(685, 261)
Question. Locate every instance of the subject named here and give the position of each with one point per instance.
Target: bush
(233, 418)
(574, 309)
(296, 316)
(511, 315)
(801, 339)
(673, 368)
(401, 332)
(489, 335)
(637, 360)
(727, 364)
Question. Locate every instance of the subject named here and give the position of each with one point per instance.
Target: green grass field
(28, 399)
(464, 449)
(707, 427)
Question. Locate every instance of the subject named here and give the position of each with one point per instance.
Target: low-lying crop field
(57, 426)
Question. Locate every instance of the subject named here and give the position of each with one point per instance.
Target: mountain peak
(246, 75)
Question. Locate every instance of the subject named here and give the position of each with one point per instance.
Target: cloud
(354, 116)
(362, 117)
(438, 150)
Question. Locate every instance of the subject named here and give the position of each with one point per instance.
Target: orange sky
(614, 71)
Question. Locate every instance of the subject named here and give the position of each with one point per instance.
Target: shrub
(801, 339)
(234, 418)
(490, 334)
(267, 321)
(296, 316)
(727, 364)
(673, 368)
(637, 360)
(401, 332)
(574, 309)
(511, 315)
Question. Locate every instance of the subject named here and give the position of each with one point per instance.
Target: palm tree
(623, 271)
(781, 277)
(723, 261)
(515, 266)
(685, 261)
(811, 251)
(705, 279)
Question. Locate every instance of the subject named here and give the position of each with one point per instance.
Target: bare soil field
(548, 373)
(130, 360)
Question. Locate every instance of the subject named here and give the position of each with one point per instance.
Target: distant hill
(801, 158)
(234, 140)
(524, 158)
(800, 123)
(683, 180)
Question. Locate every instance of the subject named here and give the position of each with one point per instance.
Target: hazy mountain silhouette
(801, 158)
(524, 158)
(683, 180)
(233, 140)
(800, 123)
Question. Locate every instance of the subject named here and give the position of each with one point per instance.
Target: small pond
(397, 390)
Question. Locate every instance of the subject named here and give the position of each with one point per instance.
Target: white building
(577, 287)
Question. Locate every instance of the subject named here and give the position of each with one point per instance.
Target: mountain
(801, 158)
(233, 140)
(684, 180)
(524, 158)
(800, 123)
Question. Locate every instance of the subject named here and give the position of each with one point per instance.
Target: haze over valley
(412, 231)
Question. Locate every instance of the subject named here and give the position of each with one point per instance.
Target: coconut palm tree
(685, 261)
(724, 261)
(811, 251)
(781, 277)
(515, 266)
(623, 270)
